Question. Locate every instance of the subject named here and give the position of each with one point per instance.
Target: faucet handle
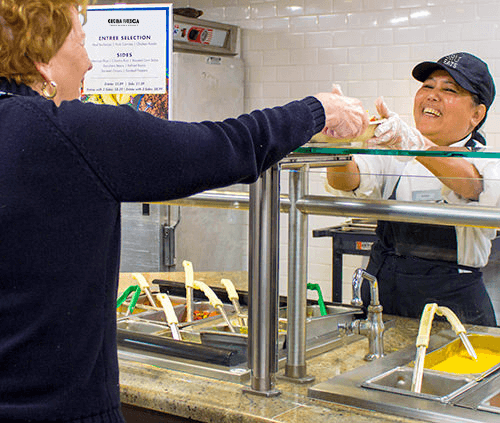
(343, 328)
(357, 302)
(357, 281)
(347, 328)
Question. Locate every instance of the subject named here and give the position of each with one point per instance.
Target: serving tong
(424, 332)
(135, 290)
(215, 301)
(170, 315)
(235, 300)
(143, 283)
(188, 282)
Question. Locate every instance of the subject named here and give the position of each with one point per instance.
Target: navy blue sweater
(63, 173)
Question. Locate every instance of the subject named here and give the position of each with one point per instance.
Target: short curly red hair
(32, 31)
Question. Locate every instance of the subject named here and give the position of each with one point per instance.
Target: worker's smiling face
(445, 112)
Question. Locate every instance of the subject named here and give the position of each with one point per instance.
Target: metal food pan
(436, 386)
(143, 304)
(221, 332)
(180, 311)
(318, 325)
(491, 403)
(218, 324)
(139, 326)
(480, 342)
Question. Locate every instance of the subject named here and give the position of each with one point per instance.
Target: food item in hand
(365, 136)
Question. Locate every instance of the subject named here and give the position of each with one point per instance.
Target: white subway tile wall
(293, 48)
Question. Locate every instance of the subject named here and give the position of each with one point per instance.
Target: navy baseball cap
(470, 72)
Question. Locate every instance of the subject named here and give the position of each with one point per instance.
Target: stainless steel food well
(209, 348)
(436, 386)
(384, 385)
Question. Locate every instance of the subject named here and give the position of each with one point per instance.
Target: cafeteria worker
(415, 263)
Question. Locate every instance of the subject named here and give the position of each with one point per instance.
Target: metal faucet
(373, 326)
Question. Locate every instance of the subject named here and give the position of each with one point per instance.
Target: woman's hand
(345, 117)
(395, 134)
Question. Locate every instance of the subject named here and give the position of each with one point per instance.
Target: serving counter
(205, 399)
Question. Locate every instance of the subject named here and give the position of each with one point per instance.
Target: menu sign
(130, 47)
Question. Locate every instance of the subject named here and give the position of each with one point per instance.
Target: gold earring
(45, 93)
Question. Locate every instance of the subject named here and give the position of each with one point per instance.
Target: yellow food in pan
(463, 363)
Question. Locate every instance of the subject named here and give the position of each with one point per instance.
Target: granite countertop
(210, 400)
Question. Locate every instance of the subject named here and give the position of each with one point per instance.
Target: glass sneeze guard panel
(335, 149)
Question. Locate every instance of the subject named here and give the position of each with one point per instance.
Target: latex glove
(394, 133)
(345, 117)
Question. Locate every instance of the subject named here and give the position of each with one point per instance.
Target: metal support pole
(295, 369)
(263, 284)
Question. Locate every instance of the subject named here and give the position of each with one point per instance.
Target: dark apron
(416, 264)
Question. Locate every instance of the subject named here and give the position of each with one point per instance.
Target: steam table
(164, 393)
